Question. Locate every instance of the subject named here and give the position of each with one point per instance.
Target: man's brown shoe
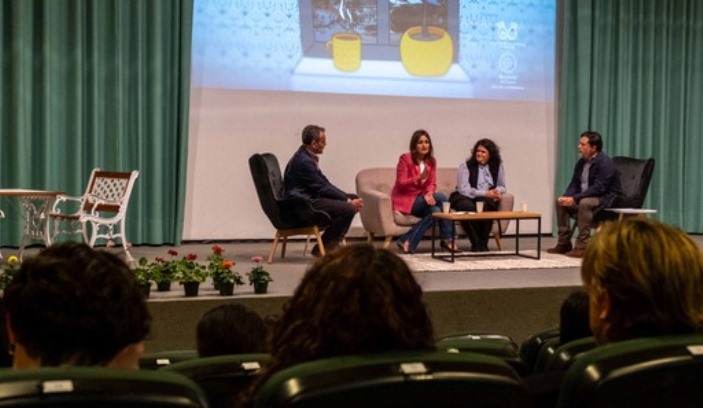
(575, 253)
(560, 249)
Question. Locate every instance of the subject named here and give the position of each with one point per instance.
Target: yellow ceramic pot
(428, 57)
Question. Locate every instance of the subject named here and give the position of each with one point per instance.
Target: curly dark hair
(357, 299)
(73, 305)
(493, 151)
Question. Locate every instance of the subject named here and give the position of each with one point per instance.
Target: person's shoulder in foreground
(72, 305)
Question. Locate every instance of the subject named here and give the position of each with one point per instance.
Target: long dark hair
(413, 143)
(357, 299)
(493, 152)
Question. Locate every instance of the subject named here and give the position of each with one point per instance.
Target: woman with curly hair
(355, 300)
(480, 179)
(643, 278)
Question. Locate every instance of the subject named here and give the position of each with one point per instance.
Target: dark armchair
(290, 216)
(635, 177)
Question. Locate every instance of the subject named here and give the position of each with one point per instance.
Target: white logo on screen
(507, 32)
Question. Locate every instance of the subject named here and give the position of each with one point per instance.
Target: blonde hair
(653, 276)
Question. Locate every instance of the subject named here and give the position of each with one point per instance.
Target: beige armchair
(377, 215)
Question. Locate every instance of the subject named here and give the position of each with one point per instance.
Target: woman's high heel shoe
(403, 246)
(444, 245)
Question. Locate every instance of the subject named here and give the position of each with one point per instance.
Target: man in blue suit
(594, 185)
(303, 178)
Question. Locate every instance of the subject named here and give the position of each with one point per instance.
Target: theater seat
(491, 344)
(156, 360)
(530, 347)
(650, 372)
(221, 377)
(89, 387)
(389, 380)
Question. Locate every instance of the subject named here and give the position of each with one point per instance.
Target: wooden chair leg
(496, 237)
(387, 241)
(497, 234)
(283, 246)
(307, 242)
(320, 245)
(273, 246)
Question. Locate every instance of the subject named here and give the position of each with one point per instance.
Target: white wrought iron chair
(103, 207)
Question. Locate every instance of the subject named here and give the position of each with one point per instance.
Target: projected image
(488, 49)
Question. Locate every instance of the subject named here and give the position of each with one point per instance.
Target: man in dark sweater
(303, 178)
(594, 185)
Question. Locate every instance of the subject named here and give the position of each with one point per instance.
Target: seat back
(530, 347)
(268, 181)
(545, 354)
(649, 372)
(156, 360)
(221, 377)
(110, 190)
(635, 177)
(410, 380)
(84, 387)
(495, 345)
(567, 353)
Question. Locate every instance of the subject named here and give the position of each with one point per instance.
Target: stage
(518, 301)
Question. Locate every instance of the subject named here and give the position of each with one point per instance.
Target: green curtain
(633, 71)
(97, 83)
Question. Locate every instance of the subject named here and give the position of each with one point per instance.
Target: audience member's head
(71, 305)
(644, 278)
(357, 299)
(231, 329)
(573, 317)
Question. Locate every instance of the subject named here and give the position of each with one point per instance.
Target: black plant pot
(226, 289)
(191, 288)
(163, 286)
(261, 287)
(146, 289)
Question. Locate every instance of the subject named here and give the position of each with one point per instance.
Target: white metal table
(34, 206)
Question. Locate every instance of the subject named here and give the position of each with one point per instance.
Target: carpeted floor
(496, 260)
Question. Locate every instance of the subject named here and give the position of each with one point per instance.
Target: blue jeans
(424, 211)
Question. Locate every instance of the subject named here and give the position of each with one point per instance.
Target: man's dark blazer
(603, 181)
(304, 179)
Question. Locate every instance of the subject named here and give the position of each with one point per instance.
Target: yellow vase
(427, 57)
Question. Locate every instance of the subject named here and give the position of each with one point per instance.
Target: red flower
(192, 257)
(227, 264)
(217, 249)
(257, 258)
(160, 260)
(173, 252)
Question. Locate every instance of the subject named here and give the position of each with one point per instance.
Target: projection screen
(371, 72)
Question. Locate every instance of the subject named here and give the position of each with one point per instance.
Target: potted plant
(190, 274)
(258, 276)
(164, 271)
(8, 271)
(220, 269)
(144, 274)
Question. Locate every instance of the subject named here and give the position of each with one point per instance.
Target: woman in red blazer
(414, 193)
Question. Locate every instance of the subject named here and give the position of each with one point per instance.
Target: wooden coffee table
(455, 217)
